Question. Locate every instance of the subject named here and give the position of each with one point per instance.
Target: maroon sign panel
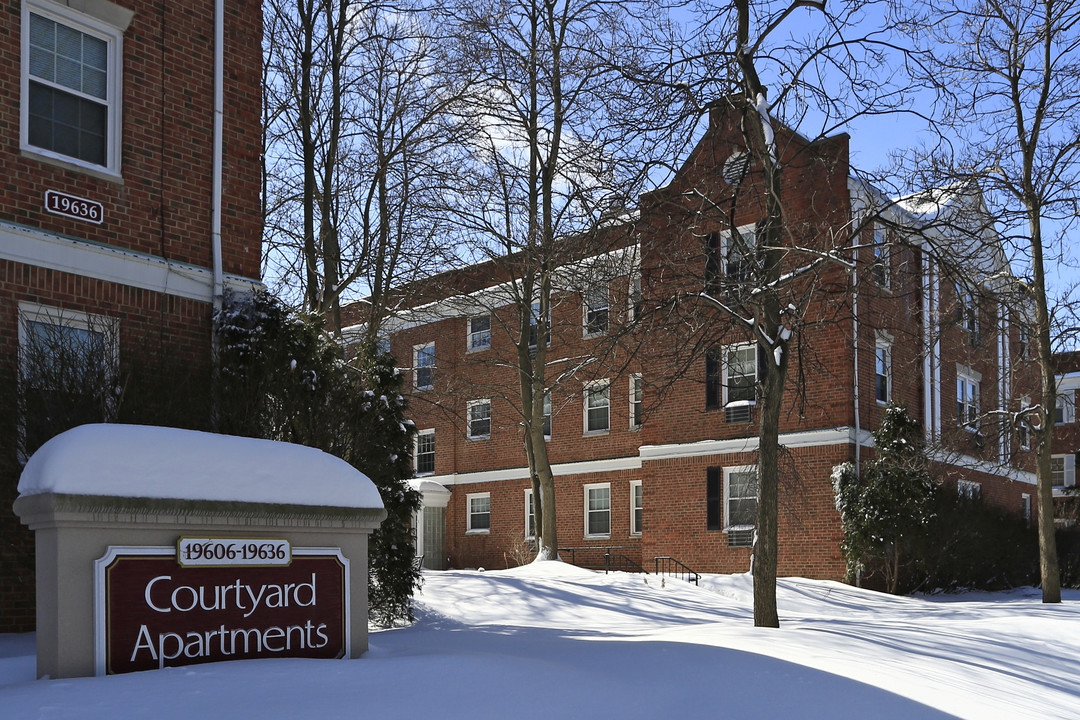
(159, 614)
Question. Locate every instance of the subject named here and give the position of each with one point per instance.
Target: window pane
(599, 508)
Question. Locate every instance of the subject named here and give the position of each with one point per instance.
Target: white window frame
(585, 492)
(726, 247)
(728, 472)
(534, 324)
(529, 511)
(479, 340)
(1067, 472)
(636, 494)
(417, 350)
(546, 415)
(470, 419)
(594, 302)
(1065, 407)
(1023, 431)
(966, 381)
(1025, 507)
(108, 327)
(114, 39)
(634, 296)
(969, 489)
(429, 432)
(591, 390)
(725, 371)
(637, 392)
(880, 269)
(967, 310)
(469, 529)
(883, 367)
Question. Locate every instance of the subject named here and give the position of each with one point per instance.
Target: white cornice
(812, 438)
(103, 262)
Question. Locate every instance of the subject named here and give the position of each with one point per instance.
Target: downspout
(1003, 383)
(935, 285)
(928, 364)
(855, 336)
(219, 112)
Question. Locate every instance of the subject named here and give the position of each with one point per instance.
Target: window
(634, 298)
(424, 366)
(713, 379)
(969, 490)
(880, 269)
(635, 507)
(739, 254)
(596, 309)
(740, 505)
(533, 324)
(1025, 507)
(1023, 430)
(1065, 407)
(71, 86)
(547, 415)
(424, 456)
(967, 311)
(967, 398)
(740, 373)
(530, 515)
(712, 264)
(479, 332)
(383, 346)
(1024, 343)
(1063, 470)
(635, 402)
(598, 510)
(597, 407)
(883, 369)
(66, 372)
(479, 415)
(479, 519)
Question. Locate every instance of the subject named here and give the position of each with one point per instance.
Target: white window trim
(1023, 431)
(968, 310)
(973, 378)
(528, 503)
(1025, 507)
(635, 383)
(63, 317)
(1068, 471)
(416, 365)
(728, 472)
(884, 342)
(469, 514)
(471, 346)
(634, 296)
(114, 37)
(725, 351)
(589, 388)
(416, 452)
(585, 495)
(548, 414)
(881, 241)
(1067, 401)
(585, 308)
(726, 247)
(635, 531)
(969, 489)
(469, 419)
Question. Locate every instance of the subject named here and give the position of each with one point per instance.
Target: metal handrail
(670, 566)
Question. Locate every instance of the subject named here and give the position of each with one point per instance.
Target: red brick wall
(162, 206)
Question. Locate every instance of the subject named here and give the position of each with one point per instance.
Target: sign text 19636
(71, 206)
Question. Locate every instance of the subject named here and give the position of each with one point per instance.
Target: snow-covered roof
(139, 461)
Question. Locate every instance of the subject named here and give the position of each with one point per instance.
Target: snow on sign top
(157, 462)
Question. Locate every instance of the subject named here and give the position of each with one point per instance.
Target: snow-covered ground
(553, 641)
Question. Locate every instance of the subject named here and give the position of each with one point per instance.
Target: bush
(282, 378)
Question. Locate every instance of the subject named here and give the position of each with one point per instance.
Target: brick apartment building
(653, 446)
(124, 212)
(1066, 441)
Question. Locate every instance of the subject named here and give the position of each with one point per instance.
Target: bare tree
(357, 114)
(1007, 78)
(784, 95)
(545, 181)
